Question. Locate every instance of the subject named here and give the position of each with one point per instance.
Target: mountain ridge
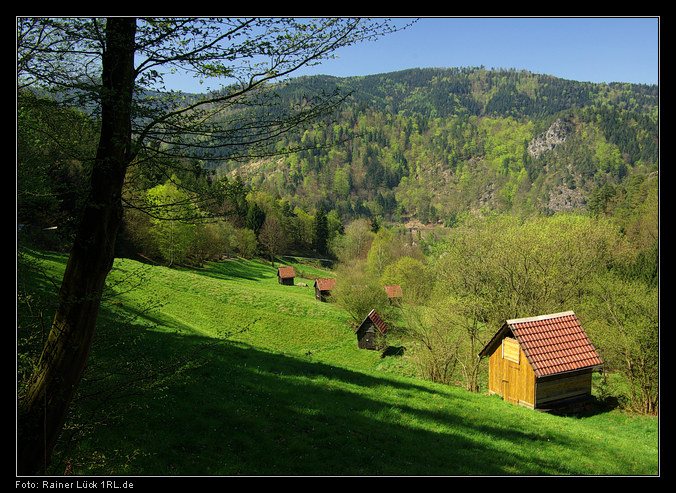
(435, 143)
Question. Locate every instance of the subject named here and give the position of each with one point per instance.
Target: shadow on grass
(238, 268)
(393, 351)
(238, 410)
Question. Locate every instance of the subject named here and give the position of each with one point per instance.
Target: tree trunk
(44, 408)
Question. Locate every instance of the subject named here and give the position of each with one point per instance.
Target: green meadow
(221, 371)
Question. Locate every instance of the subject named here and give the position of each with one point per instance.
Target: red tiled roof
(377, 321)
(285, 272)
(325, 284)
(554, 343)
(394, 291)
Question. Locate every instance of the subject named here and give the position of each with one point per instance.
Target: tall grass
(265, 380)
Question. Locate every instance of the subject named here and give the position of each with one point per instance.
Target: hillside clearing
(292, 395)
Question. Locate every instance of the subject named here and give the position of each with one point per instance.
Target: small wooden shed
(394, 293)
(371, 332)
(323, 287)
(542, 362)
(286, 275)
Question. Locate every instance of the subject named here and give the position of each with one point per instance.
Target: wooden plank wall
(515, 382)
(563, 387)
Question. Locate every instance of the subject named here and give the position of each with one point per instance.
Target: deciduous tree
(272, 238)
(107, 66)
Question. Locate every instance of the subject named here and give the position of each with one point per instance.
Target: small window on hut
(510, 349)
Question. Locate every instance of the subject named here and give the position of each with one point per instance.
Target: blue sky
(612, 49)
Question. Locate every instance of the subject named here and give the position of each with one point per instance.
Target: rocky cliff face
(562, 197)
(555, 135)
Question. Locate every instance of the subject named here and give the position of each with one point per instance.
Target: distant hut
(285, 276)
(543, 362)
(323, 288)
(371, 331)
(394, 294)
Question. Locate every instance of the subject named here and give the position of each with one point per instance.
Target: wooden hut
(285, 276)
(543, 362)
(323, 288)
(394, 294)
(371, 331)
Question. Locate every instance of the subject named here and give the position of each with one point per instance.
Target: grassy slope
(292, 395)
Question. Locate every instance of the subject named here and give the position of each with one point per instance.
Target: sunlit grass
(286, 391)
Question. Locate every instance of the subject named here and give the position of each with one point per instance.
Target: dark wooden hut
(371, 332)
(285, 276)
(543, 362)
(323, 288)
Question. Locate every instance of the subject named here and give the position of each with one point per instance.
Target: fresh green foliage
(433, 143)
(173, 219)
(233, 374)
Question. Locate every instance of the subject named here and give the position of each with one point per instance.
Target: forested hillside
(422, 148)
(432, 144)
(423, 144)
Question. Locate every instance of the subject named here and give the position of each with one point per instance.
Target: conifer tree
(321, 230)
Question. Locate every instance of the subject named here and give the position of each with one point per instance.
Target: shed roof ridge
(285, 270)
(325, 283)
(539, 317)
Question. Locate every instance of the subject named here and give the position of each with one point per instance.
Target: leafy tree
(335, 224)
(173, 229)
(379, 254)
(355, 243)
(231, 200)
(501, 267)
(213, 240)
(105, 65)
(437, 355)
(358, 292)
(247, 243)
(624, 320)
(272, 238)
(411, 275)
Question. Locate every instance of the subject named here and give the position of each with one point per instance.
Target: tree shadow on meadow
(217, 408)
(237, 268)
(238, 410)
(214, 407)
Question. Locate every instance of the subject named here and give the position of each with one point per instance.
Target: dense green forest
(433, 144)
(422, 145)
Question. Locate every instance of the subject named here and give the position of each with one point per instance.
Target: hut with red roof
(542, 362)
(286, 275)
(371, 332)
(323, 287)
